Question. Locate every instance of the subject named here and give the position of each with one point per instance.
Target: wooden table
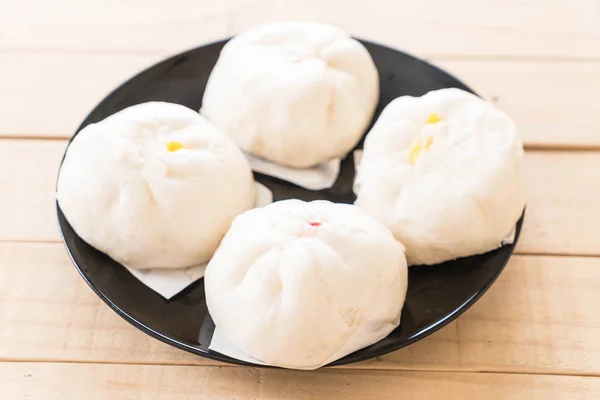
(534, 335)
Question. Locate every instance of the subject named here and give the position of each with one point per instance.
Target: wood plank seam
(426, 56)
(550, 147)
(357, 367)
(325, 369)
(516, 252)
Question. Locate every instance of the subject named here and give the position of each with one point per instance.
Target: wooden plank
(548, 28)
(50, 94)
(54, 315)
(553, 103)
(111, 26)
(28, 171)
(535, 28)
(562, 215)
(536, 318)
(93, 381)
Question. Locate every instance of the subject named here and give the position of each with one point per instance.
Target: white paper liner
(364, 336)
(168, 281)
(510, 238)
(220, 344)
(319, 177)
(357, 156)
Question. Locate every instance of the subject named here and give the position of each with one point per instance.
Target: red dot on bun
(314, 223)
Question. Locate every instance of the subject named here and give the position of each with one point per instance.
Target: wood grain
(554, 104)
(562, 209)
(28, 171)
(92, 381)
(562, 214)
(546, 28)
(536, 318)
(111, 26)
(54, 92)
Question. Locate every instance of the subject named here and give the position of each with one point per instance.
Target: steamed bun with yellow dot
(154, 186)
(293, 93)
(444, 173)
(299, 285)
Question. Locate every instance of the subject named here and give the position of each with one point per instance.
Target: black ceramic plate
(436, 294)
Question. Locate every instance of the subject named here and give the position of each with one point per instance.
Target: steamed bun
(294, 93)
(298, 285)
(154, 186)
(443, 172)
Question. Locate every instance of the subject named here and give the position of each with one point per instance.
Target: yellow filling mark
(174, 146)
(433, 118)
(417, 147)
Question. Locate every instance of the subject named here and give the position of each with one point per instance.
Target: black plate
(436, 294)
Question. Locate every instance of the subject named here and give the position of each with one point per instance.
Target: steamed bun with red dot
(299, 285)
(154, 186)
(444, 173)
(294, 93)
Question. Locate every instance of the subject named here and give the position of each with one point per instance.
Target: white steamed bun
(294, 93)
(443, 172)
(298, 285)
(154, 185)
